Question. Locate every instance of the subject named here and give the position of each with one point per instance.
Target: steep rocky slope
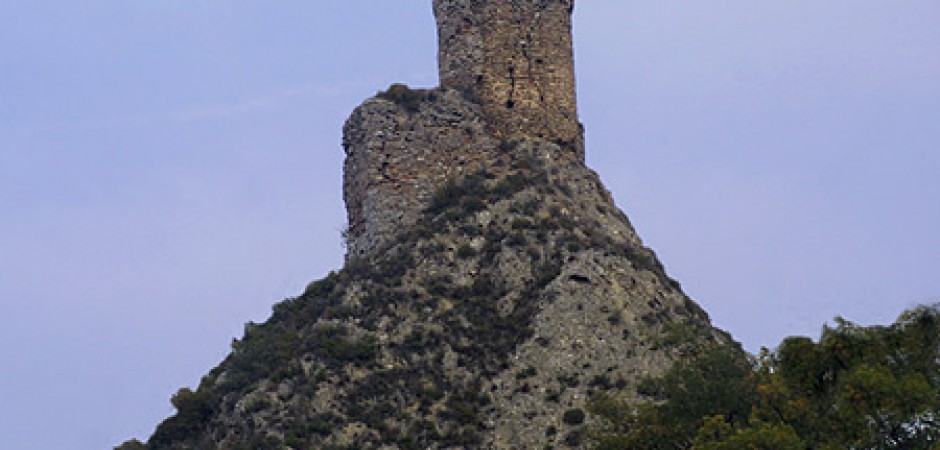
(492, 288)
(517, 295)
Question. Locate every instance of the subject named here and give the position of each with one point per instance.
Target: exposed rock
(400, 147)
(491, 288)
(511, 300)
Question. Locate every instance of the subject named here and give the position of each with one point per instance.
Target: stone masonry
(483, 314)
(396, 159)
(515, 56)
(506, 74)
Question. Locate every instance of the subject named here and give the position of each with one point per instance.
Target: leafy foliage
(404, 96)
(718, 434)
(336, 346)
(193, 410)
(573, 417)
(875, 387)
(856, 388)
(132, 444)
(719, 382)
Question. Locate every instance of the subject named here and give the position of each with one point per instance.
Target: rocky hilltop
(492, 288)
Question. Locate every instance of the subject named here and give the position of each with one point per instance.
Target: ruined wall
(397, 157)
(516, 58)
(507, 74)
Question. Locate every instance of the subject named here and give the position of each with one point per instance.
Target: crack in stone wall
(516, 58)
(506, 74)
(396, 159)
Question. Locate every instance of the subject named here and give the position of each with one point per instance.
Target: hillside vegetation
(855, 388)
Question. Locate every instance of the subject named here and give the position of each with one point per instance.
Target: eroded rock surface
(491, 290)
(510, 302)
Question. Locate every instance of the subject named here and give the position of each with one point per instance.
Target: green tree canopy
(857, 387)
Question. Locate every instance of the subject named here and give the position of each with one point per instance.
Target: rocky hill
(492, 287)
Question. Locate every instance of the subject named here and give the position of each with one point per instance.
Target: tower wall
(506, 74)
(515, 57)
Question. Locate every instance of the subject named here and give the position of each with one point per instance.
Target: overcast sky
(169, 169)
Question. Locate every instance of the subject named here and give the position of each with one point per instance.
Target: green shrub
(511, 184)
(257, 404)
(507, 146)
(336, 346)
(132, 444)
(553, 396)
(193, 410)
(574, 438)
(465, 251)
(545, 273)
(528, 372)
(446, 196)
(472, 204)
(521, 223)
(569, 380)
(573, 246)
(404, 96)
(573, 417)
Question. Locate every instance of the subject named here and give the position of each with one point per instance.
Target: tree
(719, 381)
(873, 388)
(859, 387)
(718, 434)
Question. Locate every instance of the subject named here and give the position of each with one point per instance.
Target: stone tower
(506, 75)
(493, 288)
(516, 58)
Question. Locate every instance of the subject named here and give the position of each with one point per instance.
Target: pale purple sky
(169, 169)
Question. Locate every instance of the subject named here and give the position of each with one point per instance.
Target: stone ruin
(506, 75)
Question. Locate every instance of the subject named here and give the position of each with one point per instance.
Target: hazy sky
(169, 169)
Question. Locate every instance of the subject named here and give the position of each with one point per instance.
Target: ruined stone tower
(492, 286)
(515, 57)
(506, 75)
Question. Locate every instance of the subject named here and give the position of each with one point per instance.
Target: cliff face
(492, 288)
(490, 322)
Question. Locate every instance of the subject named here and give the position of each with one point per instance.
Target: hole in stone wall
(580, 279)
(512, 87)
